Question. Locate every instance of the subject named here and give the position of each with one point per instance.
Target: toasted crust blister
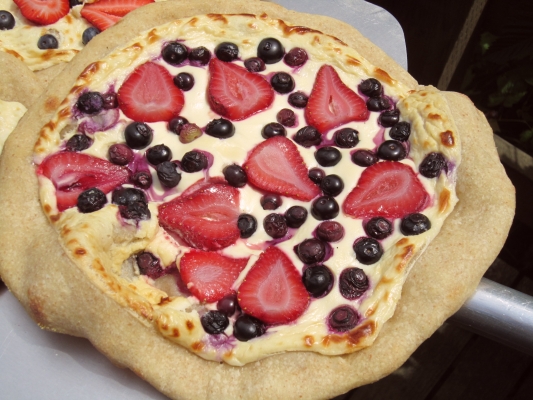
(60, 296)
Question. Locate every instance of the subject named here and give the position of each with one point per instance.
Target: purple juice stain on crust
(100, 122)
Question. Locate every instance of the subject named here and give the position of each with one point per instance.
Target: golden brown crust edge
(59, 297)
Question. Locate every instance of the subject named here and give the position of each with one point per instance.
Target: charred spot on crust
(444, 200)
(447, 139)
(383, 76)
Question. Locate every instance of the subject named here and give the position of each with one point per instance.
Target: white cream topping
(10, 114)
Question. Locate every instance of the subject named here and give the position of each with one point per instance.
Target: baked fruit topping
(43, 12)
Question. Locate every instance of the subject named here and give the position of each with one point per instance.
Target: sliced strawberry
(205, 219)
(99, 19)
(208, 275)
(72, 173)
(118, 8)
(202, 183)
(235, 93)
(332, 103)
(273, 290)
(43, 12)
(386, 189)
(149, 94)
(276, 166)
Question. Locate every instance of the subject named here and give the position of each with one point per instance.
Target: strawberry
(149, 94)
(208, 275)
(273, 290)
(205, 219)
(332, 103)
(235, 93)
(203, 183)
(43, 12)
(117, 8)
(98, 19)
(386, 189)
(276, 166)
(72, 173)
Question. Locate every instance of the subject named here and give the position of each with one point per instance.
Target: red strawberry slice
(235, 93)
(208, 275)
(43, 12)
(276, 166)
(72, 173)
(202, 183)
(149, 94)
(99, 19)
(273, 290)
(386, 189)
(205, 219)
(332, 103)
(118, 8)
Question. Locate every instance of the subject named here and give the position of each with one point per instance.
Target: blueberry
(176, 124)
(138, 135)
(311, 251)
(282, 83)
(168, 174)
(364, 158)
(330, 231)
(110, 100)
(149, 265)
(318, 280)
(214, 322)
(120, 154)
(298, 99)
(343, 318)
(7, 21)
(91, 200)
(73, 3)
(401, 131)
(227, 51)
(220, 128)
(228, 304)
(193, 161)
(353, 283)
(142, 179)
(47, 42)
(367, 250)
(158, 153)
(346, 138)
(295, 57)
(125, 196)
(90, 103)
(415, 224)
(332, 185)
(325, 207)
(235, 175)
(316, 175)
(271, 201)
(308, 136)
(89, 34)
(275, 225)
(378, 228)
(391, 150)
(389, 118)
(328, 156)
(371, 87)
(78, 143)
(184, 81)
(286, 117)
(295, 216)
(247, 224)
(254, 64)
(174, 53)
(137, 211)
(432, 164)
(378, 104)
(199, 56)
(247, 327)
(270, 50)
(273, 129)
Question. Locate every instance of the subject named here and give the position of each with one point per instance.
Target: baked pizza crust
(59, 297)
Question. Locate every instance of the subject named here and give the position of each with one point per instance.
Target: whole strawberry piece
(99, 19)
(332, 103)
(72, 173)
(209, 275)
(235, 93)
(43, 12)
(118, 8)
(149, 95)
(276, 166)
(273, 290)
(386, 189)
(205, 219)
